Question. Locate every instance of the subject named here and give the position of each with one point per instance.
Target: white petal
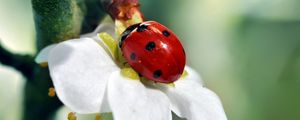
(80, 69)
(106, 27)
(193, 75)
(103, 27)
(191, 100)
(131, 100)
(42, 56)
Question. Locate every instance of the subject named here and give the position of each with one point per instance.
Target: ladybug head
(127, 32)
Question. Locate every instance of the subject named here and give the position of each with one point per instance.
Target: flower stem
(22, 63)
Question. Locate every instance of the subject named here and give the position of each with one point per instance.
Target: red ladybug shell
(154, 51)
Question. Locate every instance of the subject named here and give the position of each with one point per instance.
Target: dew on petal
(51, 92)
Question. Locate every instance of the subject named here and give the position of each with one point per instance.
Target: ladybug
(153, 51)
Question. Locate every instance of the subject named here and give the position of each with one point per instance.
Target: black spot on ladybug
(125, 34)
(166, 33)
(142, 28)
(132, 56)
(157, 73)
(150, 46)
(183, 51)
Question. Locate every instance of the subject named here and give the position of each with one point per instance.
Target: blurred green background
(247, 51)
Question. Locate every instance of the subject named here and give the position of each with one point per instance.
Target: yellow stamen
(130, 73)
(72, 116)
(112, 46)
(98, 117)
(110, 43)
(51, 92)
(44, 64)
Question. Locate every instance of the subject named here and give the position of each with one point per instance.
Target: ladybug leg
(147, 82)
(125, 63)
(155, 84)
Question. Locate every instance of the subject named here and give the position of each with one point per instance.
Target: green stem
(55, 21)
(22, 63)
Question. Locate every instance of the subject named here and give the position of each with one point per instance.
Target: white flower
(88, 80)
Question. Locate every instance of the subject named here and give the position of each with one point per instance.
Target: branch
(22, 63)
